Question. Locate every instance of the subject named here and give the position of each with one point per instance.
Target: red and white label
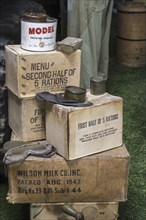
(38, 36)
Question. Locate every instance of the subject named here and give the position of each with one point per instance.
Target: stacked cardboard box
(28, 73)
(91, 211)
(90, 170)
(84, 131)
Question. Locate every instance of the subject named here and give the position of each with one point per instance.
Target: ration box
(28, 73)
(94, 211)
(101, 177)
(79, 131)
(26, 117)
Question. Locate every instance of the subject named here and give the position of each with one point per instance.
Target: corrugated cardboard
(100, 177)
(28, 73)
(82, 131)
(91, 211)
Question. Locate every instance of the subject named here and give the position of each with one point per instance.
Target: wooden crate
(28, 73)
(94, 211)
(77, 132)
(101, 177)
(26, 118)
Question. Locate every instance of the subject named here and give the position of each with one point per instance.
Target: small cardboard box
(101, 177)
(69, 44)
(94, 211)
(26, 117)
(28, 73)
(79, 131)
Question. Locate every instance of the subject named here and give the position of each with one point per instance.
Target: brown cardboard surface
(100, 177)
(28, 73)
(26, 117)
(77, 132)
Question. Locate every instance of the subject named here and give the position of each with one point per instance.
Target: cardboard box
(77, 132)
(69, 44)
(94, 211)
(28, 73)
(14, 137)
(26, 118)
(100, 177)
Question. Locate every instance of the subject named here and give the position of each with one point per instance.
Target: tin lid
(34, 17)
(75, 93)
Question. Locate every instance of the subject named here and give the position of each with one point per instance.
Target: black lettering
(92, 123)
(75, 172)
(51, 173)
(40, 66)
(53, 182)
(39, 112)
(28, 182)
(38, 75)
(62, 190)
(25, 173)
(82, 125)
(111, 117)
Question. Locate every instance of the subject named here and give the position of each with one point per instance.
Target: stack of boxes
(90, 170)
(29, 73)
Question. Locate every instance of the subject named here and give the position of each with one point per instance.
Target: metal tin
(75, 93)
(38, 32)
(97, 85)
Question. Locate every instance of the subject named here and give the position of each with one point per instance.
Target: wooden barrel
(131, 34)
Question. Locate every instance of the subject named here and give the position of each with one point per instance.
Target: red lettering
(43, 30)
(38, 30)
(31, 30)
(49, 29)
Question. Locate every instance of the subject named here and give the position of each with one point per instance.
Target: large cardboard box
(90, 211)
(77, 132)
(28, 73)
(26, 117)
(100, 177)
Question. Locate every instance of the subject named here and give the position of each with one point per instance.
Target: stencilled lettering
(49, 181)
(43, 75)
